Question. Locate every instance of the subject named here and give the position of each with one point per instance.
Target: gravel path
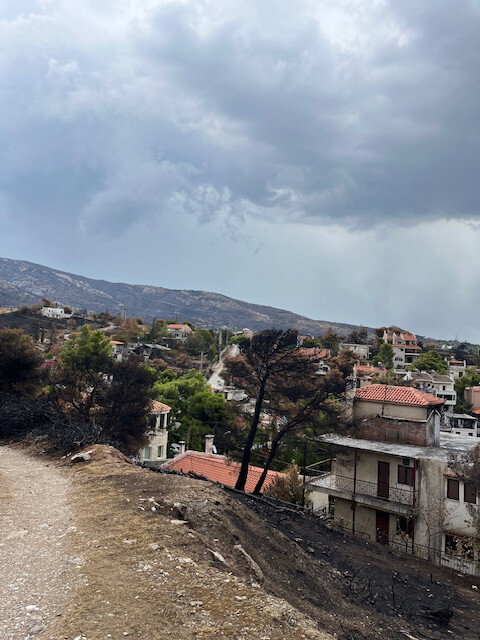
(35, 564)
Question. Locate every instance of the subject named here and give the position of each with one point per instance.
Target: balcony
(379, 495)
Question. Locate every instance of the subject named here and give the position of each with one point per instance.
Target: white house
(55, 312)
(118, 350)
(362, 351)
(155, 451)
(441, 386)
(405, 348)
(456, 368)
(179, 331)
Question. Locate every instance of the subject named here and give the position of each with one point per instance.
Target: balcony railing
(380, 490)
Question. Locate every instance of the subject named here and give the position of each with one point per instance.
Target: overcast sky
(321, 156)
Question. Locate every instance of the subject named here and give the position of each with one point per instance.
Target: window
(406, 475)
(469, 493)
(453, 492)
(147, 453)
(405, 526)
(160, 452)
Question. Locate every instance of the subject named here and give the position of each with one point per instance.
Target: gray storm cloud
(356, 113)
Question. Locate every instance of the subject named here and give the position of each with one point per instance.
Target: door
(382, 527)
(383, 483)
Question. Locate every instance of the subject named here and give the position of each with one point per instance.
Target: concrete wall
(364, 409)
(401, 432)
(155, 441)
(472, 395)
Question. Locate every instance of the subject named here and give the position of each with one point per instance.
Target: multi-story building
(405, 348)
(362, 351)
(155, 451)
(391, 477)
(118, 350)
(463, 424)
(456, 368)
(440, 386)
(363, 375)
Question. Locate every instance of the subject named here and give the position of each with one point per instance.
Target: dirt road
(35, 560)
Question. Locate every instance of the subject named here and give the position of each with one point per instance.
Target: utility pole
(304, 471)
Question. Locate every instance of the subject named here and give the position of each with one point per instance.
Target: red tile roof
(366, 369)
(476, 412)
(51, 363)
(218, 468)
(314, 353)
(158, 407)
(397, 395)
(178, 326)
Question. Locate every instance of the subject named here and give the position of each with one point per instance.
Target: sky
(321, 156)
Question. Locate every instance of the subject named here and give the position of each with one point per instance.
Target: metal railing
(380, 490)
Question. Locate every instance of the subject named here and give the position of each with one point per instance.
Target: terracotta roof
(397, 395)
(115, 342)
(476, 412)
(158, 407)
(407, 336)
(178, 326)
(51, 363)
(406, 346)
(314, 353)
(366, 369)
(218, 468)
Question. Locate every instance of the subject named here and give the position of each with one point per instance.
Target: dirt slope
(163, 556)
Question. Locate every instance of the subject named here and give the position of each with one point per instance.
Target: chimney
(181, 444)
(209, 443)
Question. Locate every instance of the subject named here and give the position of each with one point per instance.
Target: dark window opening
(469, 493)
(453, 492)
(406, 475)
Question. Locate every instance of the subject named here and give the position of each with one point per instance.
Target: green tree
(89, 351)
(196, 410)
(310, 343)
(242, 341)
(470, 378)
(201, 340)
(429, 361)
(385, 355)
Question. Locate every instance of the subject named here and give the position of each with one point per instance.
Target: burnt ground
(350, 588)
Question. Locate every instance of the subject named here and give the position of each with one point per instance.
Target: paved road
(35, 520)
(229, 352)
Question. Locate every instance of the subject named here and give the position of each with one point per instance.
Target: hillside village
(372, 437)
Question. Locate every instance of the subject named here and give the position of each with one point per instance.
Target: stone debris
(255, 567)
(85, 456)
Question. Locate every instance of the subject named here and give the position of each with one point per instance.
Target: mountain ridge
(23, 282)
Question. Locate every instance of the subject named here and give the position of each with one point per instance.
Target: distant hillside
(26, 282)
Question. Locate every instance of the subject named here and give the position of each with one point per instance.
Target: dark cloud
(352, 112)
